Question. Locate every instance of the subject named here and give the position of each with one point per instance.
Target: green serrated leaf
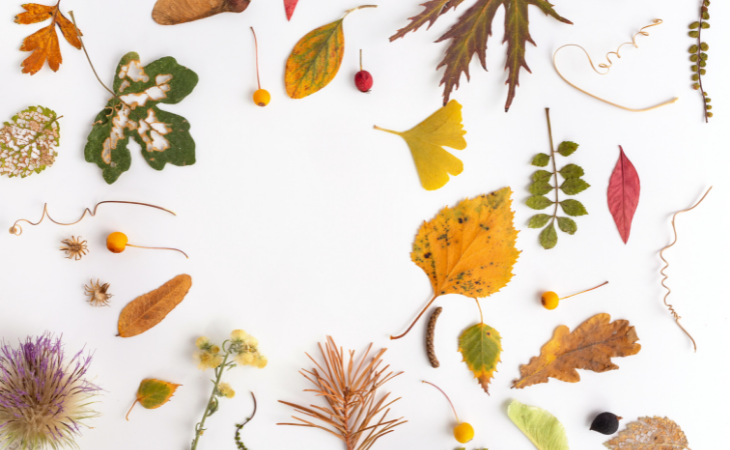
(540, 188)
(163, 136)
(571, 171)
(573, 208)
(539, 202)
(481, 345)
(567, 148)
(540, 427)
(549, 237)
(567, 225)
(538, 220)
(573, 186)
(541, 160)
(541, 175)
(28, 143)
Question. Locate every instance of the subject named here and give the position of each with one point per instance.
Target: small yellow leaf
(426, 141)
(146, 311)
(154, 393)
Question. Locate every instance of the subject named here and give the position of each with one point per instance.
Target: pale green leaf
(549, 237)
(567, 148)
(573, 186)
(538, 202)
(541, 175)
(573, 208)
(538, 220)
(572, 171)
(541, 160)
(540, 188)
(541, 427)
(567, 225)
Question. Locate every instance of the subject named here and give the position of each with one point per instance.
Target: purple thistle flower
(44, 398)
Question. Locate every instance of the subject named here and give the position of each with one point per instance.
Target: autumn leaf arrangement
(698, 56)
(572, 184)
(469, 35)
(354, 411)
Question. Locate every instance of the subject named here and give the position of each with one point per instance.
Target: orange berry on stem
(116, 242)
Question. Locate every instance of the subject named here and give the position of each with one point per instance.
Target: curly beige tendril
(669, 291)
(18, 230)
(641, 32)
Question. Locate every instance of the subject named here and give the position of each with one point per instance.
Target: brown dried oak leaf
(470, 33)
(648, 433)
(44, 42)
(590, 346)
(146, 311)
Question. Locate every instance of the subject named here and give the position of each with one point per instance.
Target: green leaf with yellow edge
(316, 58)
(426, 141)
(541, 427)
(481, 345)
(153, 393)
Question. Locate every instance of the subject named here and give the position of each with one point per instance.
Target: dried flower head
(74, 248)
(225, 390)
(207, 360)
(244, 347)
(44, 397)
(98, 295)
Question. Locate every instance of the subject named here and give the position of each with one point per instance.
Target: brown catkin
(430, 336)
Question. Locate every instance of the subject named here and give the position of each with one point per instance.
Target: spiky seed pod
(97, 293)
(44, 397)
(430, 335)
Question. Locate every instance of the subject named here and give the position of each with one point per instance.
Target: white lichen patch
(155, 93)
(28, 144)
(152, 133)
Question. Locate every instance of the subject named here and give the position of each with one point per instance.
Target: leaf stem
(256, 44)
(386, 130)
(160, 248)
(240, 444)
(78, 34)
(360, 60)
(218, 374)
(392, 338)
(481, 316)
(555, 168)
(447, 398)
(359, 7)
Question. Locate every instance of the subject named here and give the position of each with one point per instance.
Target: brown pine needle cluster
(352, 414)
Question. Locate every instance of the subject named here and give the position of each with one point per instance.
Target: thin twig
(256, 44)
(78, 34)
(239, 427)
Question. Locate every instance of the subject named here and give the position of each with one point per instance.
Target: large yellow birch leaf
(590, 347)
(146, 311)
(426, 141)
(468, 249)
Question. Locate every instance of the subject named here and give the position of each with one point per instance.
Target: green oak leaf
(538, 202)
(163, 136)
(573, 208)
(540, 427)
(571, 171)
(567, 225)
(541, 160)
(541, 175)
(538, 220)
(548, 237)
(540, 188)
(481, 345)
(573, 186)
(567, 148)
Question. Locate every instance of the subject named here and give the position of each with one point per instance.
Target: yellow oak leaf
(468, 249)
(590, 346)
(426, 141)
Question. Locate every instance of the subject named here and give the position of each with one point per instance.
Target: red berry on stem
(363, 79)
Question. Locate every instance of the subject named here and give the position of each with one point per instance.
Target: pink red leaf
(623, 194)
(290, 5)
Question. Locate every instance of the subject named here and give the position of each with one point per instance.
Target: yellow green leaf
(153, 393)
(481, 346)
(426, 141)
(541, 427)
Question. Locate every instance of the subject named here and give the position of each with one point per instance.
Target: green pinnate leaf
(541, 160)
(538, 220)
(539, 202)
(481, 345)
(573, 208)
(28, 143)
(163, 136)
(573, 186)
(567, 148)
(540, 427)
(571, 171)
(548, 237)
(153, 393)
(541, 175)
(567, 225)
(540, 188)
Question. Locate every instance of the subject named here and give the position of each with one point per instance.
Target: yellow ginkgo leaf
(426, 141)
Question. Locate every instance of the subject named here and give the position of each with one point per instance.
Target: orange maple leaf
(44, 42)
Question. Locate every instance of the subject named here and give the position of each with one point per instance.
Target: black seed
(605, 423)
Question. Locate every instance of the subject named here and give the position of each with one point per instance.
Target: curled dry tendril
(669, 291)
(607, 67)
(18, 230)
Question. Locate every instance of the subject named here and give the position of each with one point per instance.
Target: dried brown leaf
(650, 433)
(173, 12)
(146, 311)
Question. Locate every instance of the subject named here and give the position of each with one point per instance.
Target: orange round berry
(261, 97)
(116, 242)
(464, 432)
(550, 300)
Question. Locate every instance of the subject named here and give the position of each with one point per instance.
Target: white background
(299, 220)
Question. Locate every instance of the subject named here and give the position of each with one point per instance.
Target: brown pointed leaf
(650, 433)
(146, 311)
(433, 9)
(44, 42)
(590, 347)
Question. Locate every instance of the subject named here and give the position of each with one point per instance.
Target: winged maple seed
(44, 42)
(470, 33)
